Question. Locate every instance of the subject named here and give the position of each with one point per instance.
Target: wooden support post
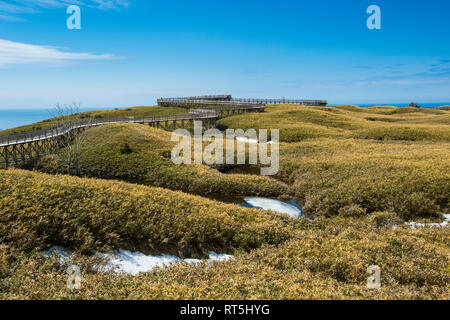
(14, 154)
(6, 157)
(4, 153)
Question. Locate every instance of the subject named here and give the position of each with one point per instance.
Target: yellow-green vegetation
(98, 114)
(297, 123)
(325, 259)
(374, 159)
(39, 210)
(360, 172)
(141, 154)
(411, 179)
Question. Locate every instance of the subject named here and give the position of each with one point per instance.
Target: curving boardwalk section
(57, 131)
(18, 148)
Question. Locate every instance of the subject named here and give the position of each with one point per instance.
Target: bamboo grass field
(224, 159)
(361, 176)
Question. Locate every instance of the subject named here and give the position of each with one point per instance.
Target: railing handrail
(58, 130)
(217, 100)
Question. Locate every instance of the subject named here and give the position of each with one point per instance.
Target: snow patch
(245, 139)
(415, 225)
(290, 208)
(136, 262)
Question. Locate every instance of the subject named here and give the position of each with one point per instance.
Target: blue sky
(129, 52)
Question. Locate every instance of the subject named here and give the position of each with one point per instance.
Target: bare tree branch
(74, 135)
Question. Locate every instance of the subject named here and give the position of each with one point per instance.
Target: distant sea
(12, 118)
(424, 105)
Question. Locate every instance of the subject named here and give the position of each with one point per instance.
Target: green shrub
(415, 205)
(352, 211)
(125, 149)
(385, 219)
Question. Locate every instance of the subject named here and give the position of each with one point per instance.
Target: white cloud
(9, 10)
(15, 8)
(16, 53)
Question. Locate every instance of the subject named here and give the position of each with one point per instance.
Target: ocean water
(12, 118)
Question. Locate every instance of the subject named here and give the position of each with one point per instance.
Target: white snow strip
(136, 262)
(415, 225)
(245, 139)
(275, 205)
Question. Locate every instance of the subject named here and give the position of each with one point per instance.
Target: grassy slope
(297, 123)
(340, 172)
(39, 210)
(325, 259)
(125, 112)
(337, 160)
(411, 179)
(148, 164)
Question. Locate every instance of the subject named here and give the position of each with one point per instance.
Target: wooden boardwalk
(283, 101)
(208, 103)
(18, 148)
(228, 100)
(56, 131)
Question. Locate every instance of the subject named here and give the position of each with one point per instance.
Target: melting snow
(415, 225)
(245, 139)
(290, 208)
(135, 262)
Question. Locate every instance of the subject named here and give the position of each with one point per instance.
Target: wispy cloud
(11, 10)
(4, 17)
(109, 4)
(17, 53)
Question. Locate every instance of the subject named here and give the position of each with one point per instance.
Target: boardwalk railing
(64, 128)
(228, 100)
(220, 97)
(216, 103)
(283, 101)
